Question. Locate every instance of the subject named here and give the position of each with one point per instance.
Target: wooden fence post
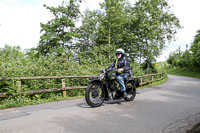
(141, 81)
(63, 87)
(152, 79)
(19, 86)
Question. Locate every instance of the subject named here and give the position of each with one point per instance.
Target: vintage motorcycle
(105, 87)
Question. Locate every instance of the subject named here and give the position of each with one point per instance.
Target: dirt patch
(187, 125)
(196, 129)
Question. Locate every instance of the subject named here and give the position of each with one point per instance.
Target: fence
(145, 79)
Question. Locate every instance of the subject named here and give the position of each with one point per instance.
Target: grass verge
(20, 101)
(184, 72)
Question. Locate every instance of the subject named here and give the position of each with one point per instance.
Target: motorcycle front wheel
(94, 94)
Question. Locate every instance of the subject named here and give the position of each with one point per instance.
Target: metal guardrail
(153, 78)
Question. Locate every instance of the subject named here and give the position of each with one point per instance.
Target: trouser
(120, 79)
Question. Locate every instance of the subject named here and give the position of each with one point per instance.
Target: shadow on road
(119, 102)
(114, 101)
(83, 105)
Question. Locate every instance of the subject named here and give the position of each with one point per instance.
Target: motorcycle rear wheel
(130, 90)
(94, 95)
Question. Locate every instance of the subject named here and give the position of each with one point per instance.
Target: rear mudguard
(135, 82)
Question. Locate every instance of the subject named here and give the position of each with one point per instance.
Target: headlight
(101, 76)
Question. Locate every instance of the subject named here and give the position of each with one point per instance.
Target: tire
(92, 92)
(130, 90)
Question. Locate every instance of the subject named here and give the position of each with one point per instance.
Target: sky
(20, 21)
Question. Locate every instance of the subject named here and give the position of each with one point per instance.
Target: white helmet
(120, 51)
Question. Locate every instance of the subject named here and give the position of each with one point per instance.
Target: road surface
(173, 107)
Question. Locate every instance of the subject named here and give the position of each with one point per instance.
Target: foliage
(15, 63)
(58, 33)
(19, 101)
(141, 29)
(149, 67)
(190, 58)
(184, 72)
(87, 32)
(10, 53)
(195, 48)
(112, 18)
(155, 24)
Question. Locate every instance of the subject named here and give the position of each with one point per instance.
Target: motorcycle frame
(103, 82)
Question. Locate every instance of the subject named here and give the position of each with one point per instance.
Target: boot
(125, 94)
(110, 96)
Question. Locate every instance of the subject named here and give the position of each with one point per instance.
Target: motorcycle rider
(122, 64)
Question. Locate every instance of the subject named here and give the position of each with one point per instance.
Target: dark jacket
(124, 63)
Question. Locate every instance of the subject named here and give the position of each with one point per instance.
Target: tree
(176, 58)
(103, 28)
(195, 48)
(112, 19)
(58, 33)
(87, 32)
(141, 29)
(153, 27)
(170, 58)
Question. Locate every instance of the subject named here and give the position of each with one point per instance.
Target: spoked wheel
(94, 95)
(130, 90)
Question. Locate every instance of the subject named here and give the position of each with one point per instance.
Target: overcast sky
(20, 21)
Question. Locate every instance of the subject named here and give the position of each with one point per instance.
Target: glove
(120, 70)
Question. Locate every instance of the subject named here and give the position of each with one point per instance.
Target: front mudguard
(92, 81)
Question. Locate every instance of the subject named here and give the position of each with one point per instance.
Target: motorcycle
(105, 87)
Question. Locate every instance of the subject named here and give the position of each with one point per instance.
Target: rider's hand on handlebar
(120, 70)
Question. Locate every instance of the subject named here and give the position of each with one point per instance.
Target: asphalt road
(173, 107)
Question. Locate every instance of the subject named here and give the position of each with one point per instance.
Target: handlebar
(112, 70)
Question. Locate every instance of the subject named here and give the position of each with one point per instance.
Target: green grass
(184, 72)
(192, 72)
(20, 101)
